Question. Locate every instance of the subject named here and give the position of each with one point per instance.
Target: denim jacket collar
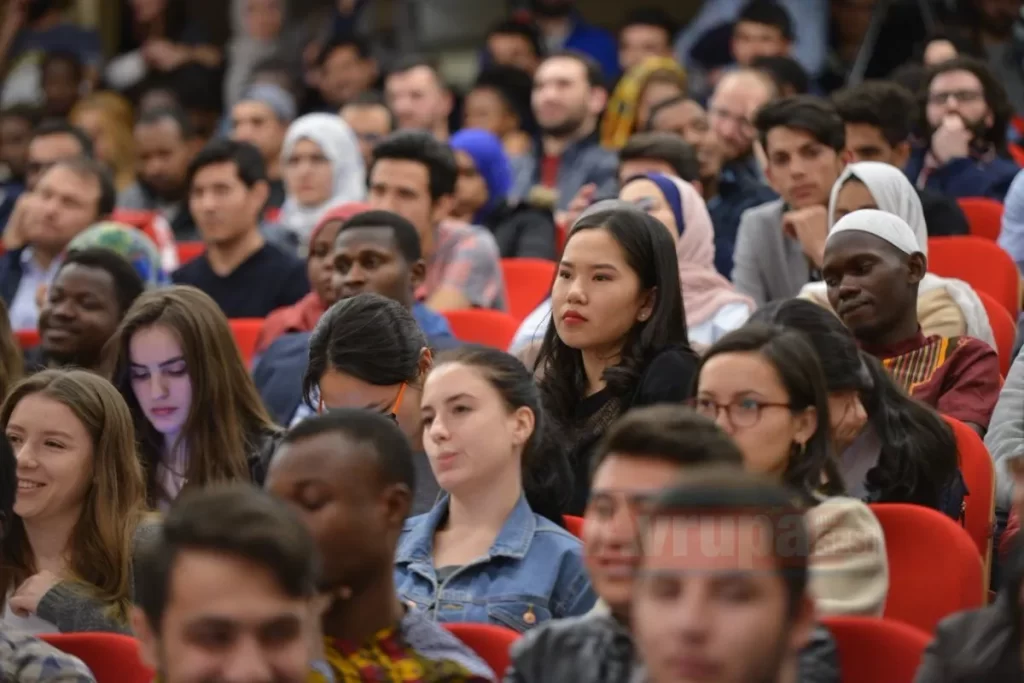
(513, 540)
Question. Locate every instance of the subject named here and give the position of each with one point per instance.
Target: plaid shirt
(27, 659)
(466, 259)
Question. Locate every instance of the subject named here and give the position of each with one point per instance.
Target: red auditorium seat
(491, 643)
(113, 658)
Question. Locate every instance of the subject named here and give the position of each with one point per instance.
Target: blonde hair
(118, 120)
(101, 543)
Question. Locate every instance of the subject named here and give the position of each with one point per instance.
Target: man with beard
(966, 112)
(568, 98)
(350, 475)
(226, 591)
(727, 193)
(165, 144)
(562, 28)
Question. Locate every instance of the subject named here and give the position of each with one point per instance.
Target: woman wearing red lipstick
(197, 414)
(618, 337)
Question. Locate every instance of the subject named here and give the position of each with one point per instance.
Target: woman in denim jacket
(481, 554)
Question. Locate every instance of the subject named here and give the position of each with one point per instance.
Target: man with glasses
(966, 112)
(647, 450)
(731, 111)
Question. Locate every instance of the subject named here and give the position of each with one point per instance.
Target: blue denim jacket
(533, 573)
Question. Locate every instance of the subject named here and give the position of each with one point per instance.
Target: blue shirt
(24, 313)
(531, 574)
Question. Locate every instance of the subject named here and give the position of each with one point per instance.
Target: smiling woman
(79, 507)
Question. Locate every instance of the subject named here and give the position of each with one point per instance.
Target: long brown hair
(11, 363)
(100, 546)
(226, 417)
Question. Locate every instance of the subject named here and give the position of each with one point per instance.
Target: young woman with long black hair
(618, 335)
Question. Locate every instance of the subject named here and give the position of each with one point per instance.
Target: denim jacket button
(530, 617)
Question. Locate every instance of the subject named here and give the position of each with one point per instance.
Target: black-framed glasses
(742, 413)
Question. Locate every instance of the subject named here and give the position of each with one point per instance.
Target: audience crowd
(664, 354)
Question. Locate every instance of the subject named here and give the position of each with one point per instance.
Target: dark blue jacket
(965, 177)
(736, 194)
(11, 271)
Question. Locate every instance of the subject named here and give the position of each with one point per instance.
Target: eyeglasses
(963, 96)
(392, 412)
(743, 413)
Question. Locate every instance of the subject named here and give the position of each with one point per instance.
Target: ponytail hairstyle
(547, 476)
(918, 458)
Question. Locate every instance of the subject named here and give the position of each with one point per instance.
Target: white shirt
(24, 313)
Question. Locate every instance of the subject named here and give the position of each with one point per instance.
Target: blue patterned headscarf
(131, 244)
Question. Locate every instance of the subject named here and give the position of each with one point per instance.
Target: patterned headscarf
(131, 244)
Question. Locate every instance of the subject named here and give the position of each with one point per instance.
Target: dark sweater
(72, 611)
(668, 378)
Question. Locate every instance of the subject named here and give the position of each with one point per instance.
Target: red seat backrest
(979, 477)
(188, 251)
(981, 263)
(483, 326)
(917, 541)
(527, 283)
(246, 332)
(574, 525)
(490, 643)
(984, 216)
(27, 339)
(113, 658)
(1004, 328)
(143, 220)
(875, 650)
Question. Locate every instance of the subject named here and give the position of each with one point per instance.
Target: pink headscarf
(705, 291)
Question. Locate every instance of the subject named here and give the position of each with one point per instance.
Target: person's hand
(809, 225)
(29, 594)
(16, 233)
(584, 198)
(952, 140)
(164, 55)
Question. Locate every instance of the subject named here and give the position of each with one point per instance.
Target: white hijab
(341, 147)
(894, 194)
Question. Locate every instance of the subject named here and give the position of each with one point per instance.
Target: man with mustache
(966, 112)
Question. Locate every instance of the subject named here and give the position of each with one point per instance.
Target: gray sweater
(767, 264)
(73, 611)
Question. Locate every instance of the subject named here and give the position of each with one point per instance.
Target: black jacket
(596, 648)
(977, 646)
(942, 214)
(523, 231)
